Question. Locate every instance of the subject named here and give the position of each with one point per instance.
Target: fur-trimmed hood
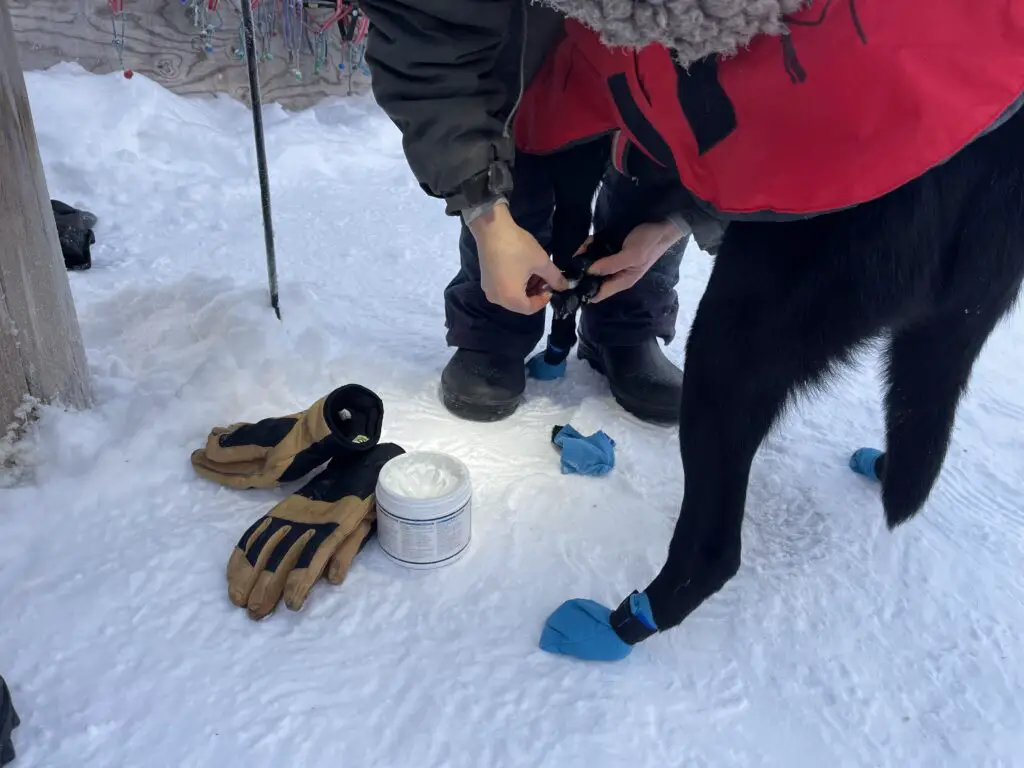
(693, 28)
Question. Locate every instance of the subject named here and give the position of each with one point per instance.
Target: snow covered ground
(838, 644)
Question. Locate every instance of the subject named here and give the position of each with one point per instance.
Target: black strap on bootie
(630, 628)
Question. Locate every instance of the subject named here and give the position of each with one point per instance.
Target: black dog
(934, 265)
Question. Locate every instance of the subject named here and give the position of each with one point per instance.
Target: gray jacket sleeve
(434, 74)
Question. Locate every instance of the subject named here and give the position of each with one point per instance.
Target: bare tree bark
(41, 350)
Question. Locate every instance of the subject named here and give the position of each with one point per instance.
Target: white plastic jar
(424, 509)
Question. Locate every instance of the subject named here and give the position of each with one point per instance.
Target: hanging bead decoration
(288, 20)
(200, 13)
(292, 33)
(117, 13)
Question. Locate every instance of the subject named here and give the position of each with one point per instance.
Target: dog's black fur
(933, 265)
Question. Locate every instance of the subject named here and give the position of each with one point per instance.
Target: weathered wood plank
(161, 42)
(13, 382)
(34, 288)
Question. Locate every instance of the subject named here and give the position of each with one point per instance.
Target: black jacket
(449, 74)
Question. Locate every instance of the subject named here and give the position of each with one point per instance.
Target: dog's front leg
(733, 390)
(728, 406)
(764, 327)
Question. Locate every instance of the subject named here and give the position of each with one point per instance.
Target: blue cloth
(582, 629)
(593, 455)
(539, 368)
(863, 462)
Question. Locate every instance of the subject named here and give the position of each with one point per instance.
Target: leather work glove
(285, 448)
(322, 525)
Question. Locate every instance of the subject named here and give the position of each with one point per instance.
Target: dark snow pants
(645, 311)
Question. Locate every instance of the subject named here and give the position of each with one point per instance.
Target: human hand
(640, 250)
(515, 272)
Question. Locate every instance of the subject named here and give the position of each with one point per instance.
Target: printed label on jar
(424, 542)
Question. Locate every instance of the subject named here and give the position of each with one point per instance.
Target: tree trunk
(41, 351)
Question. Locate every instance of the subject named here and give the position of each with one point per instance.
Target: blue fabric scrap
(593, 455)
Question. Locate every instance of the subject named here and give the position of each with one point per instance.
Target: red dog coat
(860, 98)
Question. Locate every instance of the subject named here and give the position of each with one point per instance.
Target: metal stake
(261, 155)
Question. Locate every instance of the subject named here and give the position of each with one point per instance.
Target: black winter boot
(8, 722)
(643, 380)
(483, 386)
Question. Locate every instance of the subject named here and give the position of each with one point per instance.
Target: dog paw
(863, 462)
(582, 629)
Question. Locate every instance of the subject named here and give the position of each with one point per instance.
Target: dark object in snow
(9, 720)
(74, 227)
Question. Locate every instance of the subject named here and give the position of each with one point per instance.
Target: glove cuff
(350, 477)
(360, 430)
(633, 620)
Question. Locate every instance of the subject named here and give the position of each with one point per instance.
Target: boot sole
(477, 411)
(9, 720)
(642, 410)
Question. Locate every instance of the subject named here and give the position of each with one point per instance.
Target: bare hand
(640, 250)
(515, 272)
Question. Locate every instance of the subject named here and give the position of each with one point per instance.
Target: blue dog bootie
(541, 368)
(864, 462)
(587, 630)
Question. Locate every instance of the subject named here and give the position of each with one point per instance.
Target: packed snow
(838, 644)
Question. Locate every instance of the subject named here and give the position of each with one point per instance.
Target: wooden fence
(163, 41)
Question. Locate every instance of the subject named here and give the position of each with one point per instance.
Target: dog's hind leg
(930, 357)
(928, 368)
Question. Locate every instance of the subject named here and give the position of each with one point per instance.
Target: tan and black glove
(282, 449)
(321, 526)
